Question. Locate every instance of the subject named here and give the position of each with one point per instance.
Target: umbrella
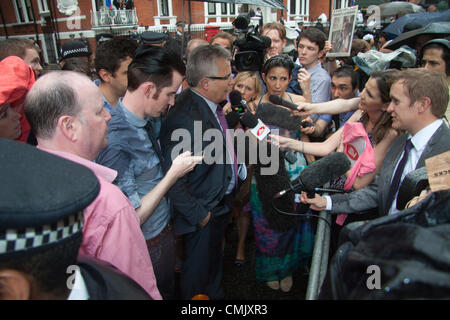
(423, 19)
(263, 3)
(398, 7)
(435, 29)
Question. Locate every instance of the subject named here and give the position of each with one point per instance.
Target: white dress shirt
(419, 142)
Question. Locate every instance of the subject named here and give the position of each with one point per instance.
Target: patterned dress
(279, 254)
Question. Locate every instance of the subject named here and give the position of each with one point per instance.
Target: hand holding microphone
(317, 203)
(308, 128)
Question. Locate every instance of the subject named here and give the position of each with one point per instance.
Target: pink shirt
(112, 231)
(365, 162)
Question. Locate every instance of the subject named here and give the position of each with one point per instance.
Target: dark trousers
(162, 254)
(201, 272)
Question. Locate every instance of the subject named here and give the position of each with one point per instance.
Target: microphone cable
(299, 214)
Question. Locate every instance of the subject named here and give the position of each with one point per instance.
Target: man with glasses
(202, 199)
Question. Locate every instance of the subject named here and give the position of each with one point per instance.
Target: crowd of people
(152, 208)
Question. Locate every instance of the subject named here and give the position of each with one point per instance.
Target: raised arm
(181, 165)
(319, 149)
(331, 107)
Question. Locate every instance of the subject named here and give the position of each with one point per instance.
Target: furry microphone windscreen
(324, 170)
(278, 116)
(235, 98)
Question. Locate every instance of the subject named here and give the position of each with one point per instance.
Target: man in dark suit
(419, 99)
(202, 199)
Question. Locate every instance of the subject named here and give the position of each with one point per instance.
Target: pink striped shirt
(111, 229)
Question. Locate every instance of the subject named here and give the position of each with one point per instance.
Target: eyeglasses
(219, 78)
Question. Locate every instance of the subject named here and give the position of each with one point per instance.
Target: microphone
(237, 103)
(280, 101)
(256, 126)
(411, 186)
(280, 117)
(260, 131)
(318, 173)
(232, 119)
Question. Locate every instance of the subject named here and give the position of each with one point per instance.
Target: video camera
(250, 45)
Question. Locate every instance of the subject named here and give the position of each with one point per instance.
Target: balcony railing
(107, 18)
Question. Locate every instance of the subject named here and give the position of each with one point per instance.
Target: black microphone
(280, 101)
(318, 173)
(232, 119)
(237, 103)
(280, 117)
(411, 186)
(251, 121)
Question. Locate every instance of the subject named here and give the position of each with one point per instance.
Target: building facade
(51, 22)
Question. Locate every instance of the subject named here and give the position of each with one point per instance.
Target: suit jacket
(203, 189)
(376, 194)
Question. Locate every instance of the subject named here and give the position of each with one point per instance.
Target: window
(223, 7)
(163, 8)
(43, 6)
(299, 7)
(98, 4)
(21, 11)
(29, 9)
(211, 8)
(232, 9)
(293, 6)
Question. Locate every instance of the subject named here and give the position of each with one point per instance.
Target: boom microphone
(280, 101)
(280, 117)
(318, 173)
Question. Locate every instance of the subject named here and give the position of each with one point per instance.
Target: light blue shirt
(106, 104)
(131, 154)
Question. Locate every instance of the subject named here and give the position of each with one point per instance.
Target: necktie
(398, 174)
(228, 138)
(148, 127)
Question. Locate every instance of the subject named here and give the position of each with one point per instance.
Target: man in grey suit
(419, 99)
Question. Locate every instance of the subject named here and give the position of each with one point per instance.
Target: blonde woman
(247, 83)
